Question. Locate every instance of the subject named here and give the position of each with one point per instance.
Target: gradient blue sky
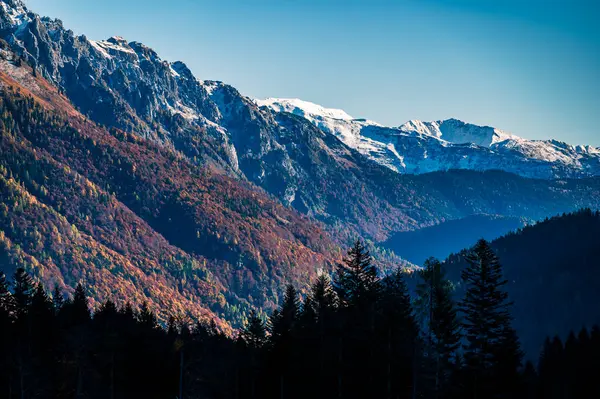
(529, 67)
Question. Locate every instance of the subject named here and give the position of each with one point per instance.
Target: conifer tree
(24, 288)
(146, 317)
(398, 339)
(357, 283)
(439, 321)
(254, 333)
(284, 319)
(324, 302)
(7, 301)
(58, 300)
(358, 288)
(323, 296)
(446, 333)
(283, 323)
(41, 305)
(80, 311)
(492, 353)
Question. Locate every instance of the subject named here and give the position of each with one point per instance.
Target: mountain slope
(553, 274)
(136, 219)
(422, 147)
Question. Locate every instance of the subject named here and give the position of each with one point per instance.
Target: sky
(531, 67)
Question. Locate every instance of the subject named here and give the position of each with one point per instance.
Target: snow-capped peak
(14, 11)
(457, 132)
(112, 46)
(303, 108)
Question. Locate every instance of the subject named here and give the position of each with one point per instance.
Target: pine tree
(492, 352)
(284, 319)
(254, 333)
(80, 311)
(283, 323)
(324, 302)
(41, 305)
(431, 276)
(323, 297)
(147, 318)
(24, 288)
(254, 338)
(446, 333)
(358, 287)
(438, 317)
(398, 340)
(58, 300)
(357, 283)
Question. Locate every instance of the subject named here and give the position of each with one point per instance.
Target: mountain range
(422, 147)
(126, 171)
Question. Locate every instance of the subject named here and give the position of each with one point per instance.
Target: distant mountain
(421, 147)
(442, 240)
(553, 273)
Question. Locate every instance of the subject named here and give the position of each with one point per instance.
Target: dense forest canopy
(355, 335)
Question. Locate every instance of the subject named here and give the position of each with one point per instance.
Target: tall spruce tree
(254, 333)
(358, 287)
(24, 289)
(283, 324)
(324, 302)
(446, 333)
(357, 283)
(58, 300)
(439, 321)
(398, 342)
(492, 352)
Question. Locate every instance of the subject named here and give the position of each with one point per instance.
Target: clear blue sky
(529, 67)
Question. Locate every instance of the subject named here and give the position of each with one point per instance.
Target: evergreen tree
(58, 300)
(327, 336)
(492, 353)
(284, 320)
(323, 297)
(24, 289)
(283, 323)
(357, 283)
(438, 316)
(358, 288)
(446, 333)
(80, 311)
(432, 277)
(254, 333)
(146, 317)
(399, 345)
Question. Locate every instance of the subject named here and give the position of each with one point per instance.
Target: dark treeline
(356, 335)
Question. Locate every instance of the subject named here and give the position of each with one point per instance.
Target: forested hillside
(135, 220)
(443, 239)
(553, 272)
